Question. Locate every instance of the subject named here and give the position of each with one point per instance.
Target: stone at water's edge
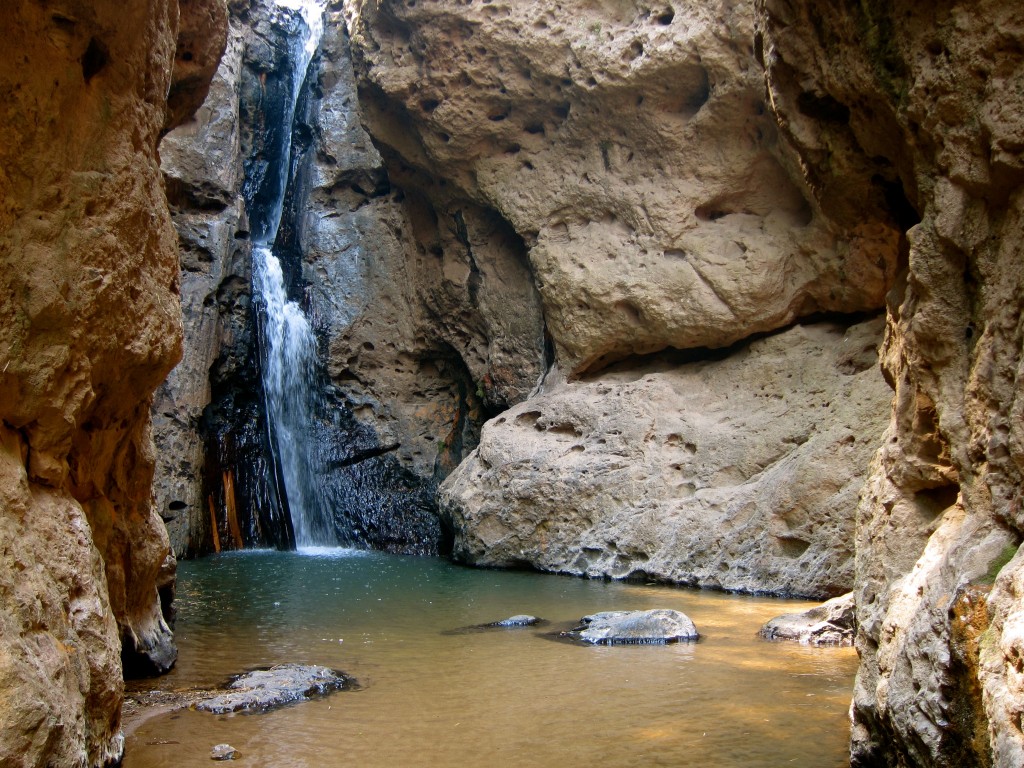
(655, 627)
(266, 689)
(831, 623)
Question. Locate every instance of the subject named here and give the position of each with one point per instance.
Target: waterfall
(288, 343)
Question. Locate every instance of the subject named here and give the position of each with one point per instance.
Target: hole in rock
(530, 417)
(94, 59)
(823, 107)
(900, 207)
(934, 501)
(792, 546)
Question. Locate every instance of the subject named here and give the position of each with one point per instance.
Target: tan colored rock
(89, 326)
(631, 149)
(908, 115)
(202, 30)
(740, 473)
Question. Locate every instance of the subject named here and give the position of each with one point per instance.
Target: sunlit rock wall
(89, 326)
(924, 102)
(631, 150)
(738, 473)
(630, 147)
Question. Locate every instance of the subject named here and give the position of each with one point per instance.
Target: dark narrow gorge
(723, 296)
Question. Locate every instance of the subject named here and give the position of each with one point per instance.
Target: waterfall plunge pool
(499, 697)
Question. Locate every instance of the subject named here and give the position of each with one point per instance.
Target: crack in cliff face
(362, 455)
(670, 356)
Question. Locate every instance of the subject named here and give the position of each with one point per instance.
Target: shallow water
(431, 697)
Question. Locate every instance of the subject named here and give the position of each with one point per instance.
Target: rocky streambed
(440, 681)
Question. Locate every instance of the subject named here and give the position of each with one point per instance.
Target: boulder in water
(831, 623)
(271, 688)
(655, 627)
(223, 752)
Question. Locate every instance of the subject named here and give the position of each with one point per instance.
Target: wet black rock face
(373, 499)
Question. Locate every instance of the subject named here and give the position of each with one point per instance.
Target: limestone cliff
(630, 148)
(739, 473)
(922, 103)
(90, 326)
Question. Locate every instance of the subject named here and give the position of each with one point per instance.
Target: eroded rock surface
(89, 326)
(426, 314)
(268, 689)
(202, 166)
(831, 623)
(739, 473)
(910, 114)
(630, 148)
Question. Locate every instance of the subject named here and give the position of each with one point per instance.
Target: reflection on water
(507, 697)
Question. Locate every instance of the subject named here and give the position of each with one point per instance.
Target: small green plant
(596, 28)
(999, 562)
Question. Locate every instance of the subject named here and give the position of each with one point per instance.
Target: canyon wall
(712, 399)
(426, 314)
(650, 257)
(926, 102)
(686, 181)
(90, 326)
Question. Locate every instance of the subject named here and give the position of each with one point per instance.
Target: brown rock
(89, 325)
(202, 30)
(429, 303)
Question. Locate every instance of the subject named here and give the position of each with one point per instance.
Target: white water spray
(289, 365)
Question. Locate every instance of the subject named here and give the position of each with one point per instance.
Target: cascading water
(287, 339)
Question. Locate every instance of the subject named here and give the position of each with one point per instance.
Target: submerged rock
(223, 752)
(512, 622)
(831, 623)
(656, 627)
(270, 688)
(519, 620)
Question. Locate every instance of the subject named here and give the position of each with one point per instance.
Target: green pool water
(433, 697)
